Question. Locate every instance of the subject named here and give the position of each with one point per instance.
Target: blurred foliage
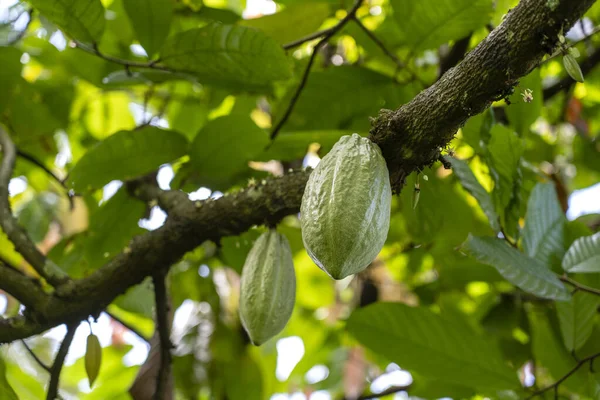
(205, 83)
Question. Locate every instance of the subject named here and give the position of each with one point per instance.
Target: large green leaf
(550, 353)
(428, 23)
(583, 255)
(81, 19)
(236, 57)
(7, 391)
(436, 347)
(527, 273)
(472, 185)
(224, 146)
(151, 21)
(36, 215)
(294, 22)
(576, 318)
(138, 299)
(504, 152)
(243, 379)
(543, 236)
(126, 155)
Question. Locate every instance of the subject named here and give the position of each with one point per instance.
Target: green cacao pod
(93, 358)
(268, 287)
(572, 67)
(345, 212)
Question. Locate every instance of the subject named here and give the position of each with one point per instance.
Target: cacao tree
(318, 199)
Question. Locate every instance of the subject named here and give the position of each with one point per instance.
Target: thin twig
(23, 244)
(127, 326)
(126, 63)
(36, 358)
(164, 335)
(36, 162)
(579, 286)
(328, 34)
(59, 361)
(572, 44)
(555, 385)
(379, 43)
(307, 38)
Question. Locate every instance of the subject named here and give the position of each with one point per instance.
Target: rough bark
(410, 137)
(413, 136)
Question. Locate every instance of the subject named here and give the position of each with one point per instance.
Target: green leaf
(522, 114)
(37, 214)
(127, 155)
(289, 146)
(7, 391)
(151, 21)
(543, 236)
(576, 318)
(294, 22)
(235, 57)
(504, 152)
(472, 185)
(428, 23)
(427, 343)
(527, 273)
(243, 379)
(138, 299)
(550, 353)
(111, 228)
(81, 19)
(583, 255)
(224, 146)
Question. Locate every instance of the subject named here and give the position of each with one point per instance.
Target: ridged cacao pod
(572, 67)
(268, 287)
(345, 212)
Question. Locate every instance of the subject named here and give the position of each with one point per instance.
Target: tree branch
(579, 286)
(36, 358)
(555, 385)
(128, 326)
(192, 224)
(412, 136)
(456, 53)
(565, 83)
(328, 35)
(23, 288)
(387, 392)
(164, 335)
(59, 361)
(23, 244)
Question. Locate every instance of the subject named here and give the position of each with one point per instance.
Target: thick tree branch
(59, 361)
(412, 136)
(23, 244)
(23, 288)
(194, 222)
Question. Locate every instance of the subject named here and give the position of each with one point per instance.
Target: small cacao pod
(93, 358)
(572, 67)
(345, 211)
(268, 287)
